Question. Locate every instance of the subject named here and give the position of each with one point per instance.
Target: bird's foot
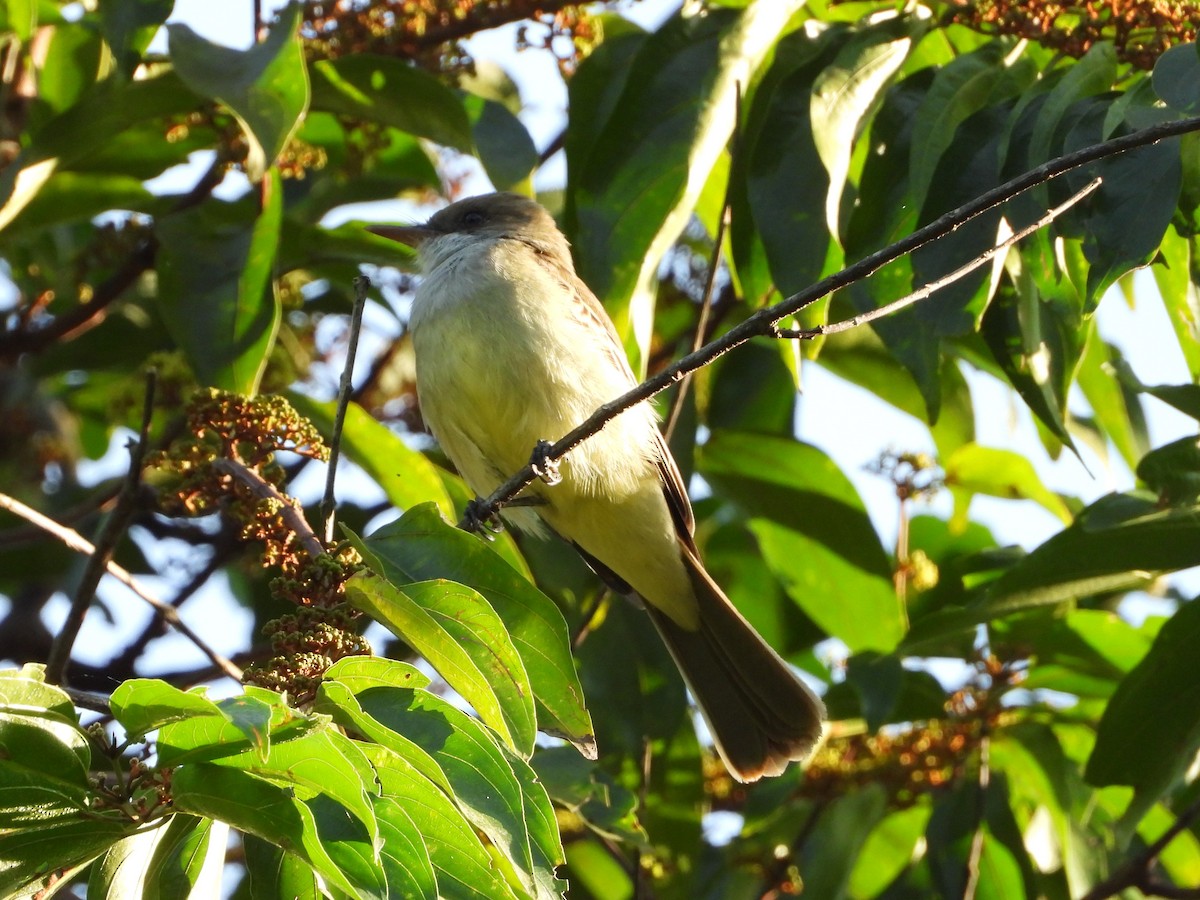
(480, 518)
(543, 466)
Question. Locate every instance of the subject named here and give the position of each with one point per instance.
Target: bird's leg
(544, 467)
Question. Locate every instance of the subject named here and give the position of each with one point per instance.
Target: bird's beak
(409, 235)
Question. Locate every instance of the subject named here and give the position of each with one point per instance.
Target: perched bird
(513, 349)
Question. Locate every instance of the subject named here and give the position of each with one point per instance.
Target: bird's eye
(473, 218)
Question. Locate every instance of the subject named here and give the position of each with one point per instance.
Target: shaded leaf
(1150, 729)
(421, 546)
(216, 294)
(250, 804)
(813, 531)
(265, 87)
(389, 91)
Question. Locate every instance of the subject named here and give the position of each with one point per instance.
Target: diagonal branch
(763, 323)
(75, 541)
(1137, 871)
(933, 287)
(109, 535)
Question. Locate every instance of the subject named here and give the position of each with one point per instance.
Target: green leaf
(34, 748)
(845, 93)
(829, 856)
(813, 531)
(1037, 345)
(968, 84)
(973, 469)
(181, 857)
(73, 196)
(128, 28)
(72, 62)
(1150, 730)
(323, 761)
(497, 792)
(639, 169)
(1114, 404)
(1091, 75)
(405, 856)
(878, 680)
(421, 546)
(276, 874)
(502, 143)
(1176, 78)
(83, 130)
(144, 704)
(776, 212)
(33, 859)
(25, 690)
(464, 870)
(192, 727)
(1124, 221)
(389, 91)
(215, 288)
(887, 851)
(456, 629)
(189, 860)
(407, 477)
(1173, 470)
(1180, 295)
(1119, 541)
(272, 812)
(265, 87)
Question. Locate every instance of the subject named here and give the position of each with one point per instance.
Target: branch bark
(764, 322)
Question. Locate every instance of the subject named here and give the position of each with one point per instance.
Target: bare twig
(89, 700)
(1137, 871)
(361, 285)
(710, 281)
(77, 542)
(106, 543)
(934, 286)
(763, 323)
(263, 489)
(976, 853)
(223, 544)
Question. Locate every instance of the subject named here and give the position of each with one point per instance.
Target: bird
(512, 349)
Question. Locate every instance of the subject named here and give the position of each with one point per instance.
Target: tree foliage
(181, 264)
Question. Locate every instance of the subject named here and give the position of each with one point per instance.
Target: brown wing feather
(590, 307)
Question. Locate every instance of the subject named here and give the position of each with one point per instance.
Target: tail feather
(761, 715)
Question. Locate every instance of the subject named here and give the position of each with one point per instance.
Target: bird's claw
(481, 519)
(544, 467)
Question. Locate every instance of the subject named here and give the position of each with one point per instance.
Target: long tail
(761, 715)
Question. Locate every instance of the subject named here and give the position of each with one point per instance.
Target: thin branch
(1136, 872)
(936, 285)
(763, 323)
(361, 285)
(89, 700)
(109, 536)
(81, 318)
(264, 490)
(976, 853)
(124, 661)
(710, 282)
(77, 542)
